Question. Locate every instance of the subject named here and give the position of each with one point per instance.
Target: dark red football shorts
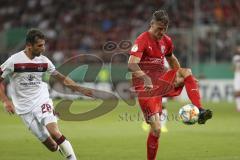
(151, 102)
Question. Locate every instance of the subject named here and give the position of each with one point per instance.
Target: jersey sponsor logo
(30, 83)
(30, 67)
(134, 48)
(155, 60)
(30, 77)
(29, 80)
(163, 49)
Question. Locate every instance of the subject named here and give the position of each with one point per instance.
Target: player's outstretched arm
(173, 61)
(8, 105)
(66, 81)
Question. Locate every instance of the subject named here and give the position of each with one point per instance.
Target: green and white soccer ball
(189, 114)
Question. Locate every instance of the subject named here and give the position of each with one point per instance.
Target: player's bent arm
(137, 72)
(173, 61)
(6, 101)
(3, 96)
(66, 81)
(133, 66)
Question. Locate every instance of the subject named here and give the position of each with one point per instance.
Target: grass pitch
(118, 136)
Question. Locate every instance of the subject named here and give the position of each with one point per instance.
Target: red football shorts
(151, 103)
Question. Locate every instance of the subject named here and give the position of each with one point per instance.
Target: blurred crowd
(83, 27)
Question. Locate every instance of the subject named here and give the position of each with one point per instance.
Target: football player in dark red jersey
(152, 82)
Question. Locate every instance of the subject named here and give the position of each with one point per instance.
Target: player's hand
(86, 91)
(9, 107)
(147, 83)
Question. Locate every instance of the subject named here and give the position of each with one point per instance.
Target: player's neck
(152, 35)
(28, 53)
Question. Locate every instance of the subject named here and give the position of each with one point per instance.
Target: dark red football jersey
(151, 51)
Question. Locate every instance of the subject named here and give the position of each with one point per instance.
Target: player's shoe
(204, 115)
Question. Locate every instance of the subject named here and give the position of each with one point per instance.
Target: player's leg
(44, 115)
(237, 100)
(151, 108)
(181, 77)
(64, 145)
(39, 131)
(191, 85)
(50, 144)
(237, 90)
(193, 93)
(153, 136)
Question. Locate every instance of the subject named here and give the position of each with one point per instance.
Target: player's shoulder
(167, 38)
(143, 36)
(236, 57)
(43, 58)
(16, 56)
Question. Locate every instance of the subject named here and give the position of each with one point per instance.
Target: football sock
(192, 91)
(65, 148)
(152, 146)
(238, 103)
(60, 151)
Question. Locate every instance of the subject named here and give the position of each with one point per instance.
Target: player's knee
(185, 72)
(156, 129)
(179, 81)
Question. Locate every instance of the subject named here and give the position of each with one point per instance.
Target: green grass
(117, 137)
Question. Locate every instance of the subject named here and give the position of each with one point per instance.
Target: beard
(36, 54)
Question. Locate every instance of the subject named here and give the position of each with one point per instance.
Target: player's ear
(151, 23)
(29, 45)
(166, 28)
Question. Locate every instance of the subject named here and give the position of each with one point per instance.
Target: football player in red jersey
(152, 82)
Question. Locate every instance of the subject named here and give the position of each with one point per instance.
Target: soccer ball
(189, 114)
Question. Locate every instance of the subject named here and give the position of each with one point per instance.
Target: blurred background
(205, 34)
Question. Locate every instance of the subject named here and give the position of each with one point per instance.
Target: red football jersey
(151, 51)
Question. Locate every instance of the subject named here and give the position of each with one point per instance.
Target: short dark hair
(161, 15)
(33, 35)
